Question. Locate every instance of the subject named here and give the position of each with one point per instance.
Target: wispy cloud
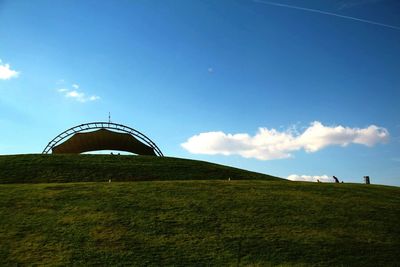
(93, 98)
(6, 72)
(311, 178)
(326, 13)
(77, 95)
(269, 144)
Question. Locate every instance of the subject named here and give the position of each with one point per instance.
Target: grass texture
(119, 168)
(194, 222)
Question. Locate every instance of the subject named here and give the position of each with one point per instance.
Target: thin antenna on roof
(109, 117)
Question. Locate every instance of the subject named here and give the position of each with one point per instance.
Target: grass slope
(100, 168)
(209, 222)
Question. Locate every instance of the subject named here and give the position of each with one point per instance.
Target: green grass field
(101, 168)
(60, 210)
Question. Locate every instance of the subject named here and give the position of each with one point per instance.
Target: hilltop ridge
(48, 168)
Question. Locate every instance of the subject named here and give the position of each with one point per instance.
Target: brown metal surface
(103, 139)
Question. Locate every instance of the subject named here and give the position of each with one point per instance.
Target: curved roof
(103, 139)
(94, 136)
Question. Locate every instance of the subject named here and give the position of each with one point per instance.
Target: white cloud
(269, 144)
(76, 95)
(93, 98)
(6, 72)
(318, 136)
(311, 178)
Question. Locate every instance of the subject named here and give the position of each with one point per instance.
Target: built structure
(96, 136)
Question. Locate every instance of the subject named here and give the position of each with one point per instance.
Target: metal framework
(101, 125)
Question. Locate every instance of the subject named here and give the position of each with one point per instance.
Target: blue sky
(201, 77)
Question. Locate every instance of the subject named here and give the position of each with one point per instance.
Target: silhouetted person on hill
(336, 179)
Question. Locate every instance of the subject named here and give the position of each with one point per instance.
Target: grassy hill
(199, 219)
(118, 168)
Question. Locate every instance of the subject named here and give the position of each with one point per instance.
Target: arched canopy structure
(97, 136)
